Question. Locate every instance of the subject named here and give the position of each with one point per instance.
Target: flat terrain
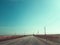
(28, 40)
(55, 38)
(4, 38)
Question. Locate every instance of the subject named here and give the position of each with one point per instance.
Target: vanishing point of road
(28, 40)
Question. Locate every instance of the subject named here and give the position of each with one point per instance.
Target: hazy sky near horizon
(29, 16)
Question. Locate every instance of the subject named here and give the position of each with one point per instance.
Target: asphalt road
(29, 40)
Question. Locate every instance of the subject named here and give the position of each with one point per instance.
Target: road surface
(29, 40)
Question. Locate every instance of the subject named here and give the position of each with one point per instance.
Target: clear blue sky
(29, 16)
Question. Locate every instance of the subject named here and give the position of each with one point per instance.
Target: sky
(29, 17)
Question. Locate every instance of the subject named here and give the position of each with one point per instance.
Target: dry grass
(54, 38)
(4, 38)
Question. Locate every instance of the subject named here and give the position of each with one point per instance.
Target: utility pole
(38, 32)
(45, 31)
(24, 34)
(45, 34)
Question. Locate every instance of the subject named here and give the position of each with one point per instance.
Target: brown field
(54, 38)
(4, 38)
